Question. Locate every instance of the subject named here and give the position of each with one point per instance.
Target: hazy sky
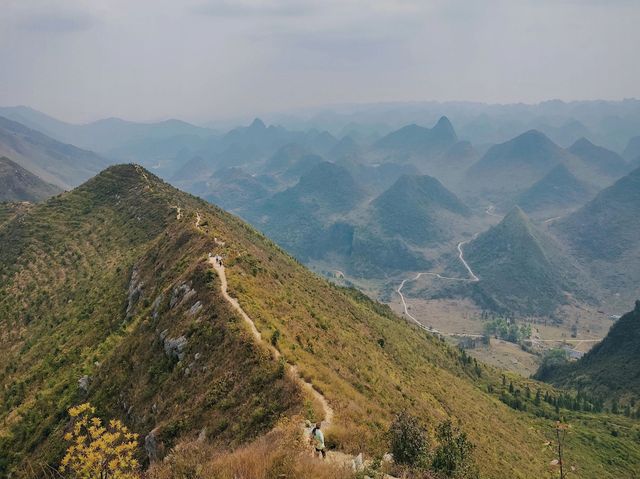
(205, 59)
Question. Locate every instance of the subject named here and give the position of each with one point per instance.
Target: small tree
(453, 456)
(98, 451)
(409, 442)
(559, 462)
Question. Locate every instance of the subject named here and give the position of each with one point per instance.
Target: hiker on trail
(317, 439)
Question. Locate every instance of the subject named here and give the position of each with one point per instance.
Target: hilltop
(611, 369)
(108, 295)
(18, 184)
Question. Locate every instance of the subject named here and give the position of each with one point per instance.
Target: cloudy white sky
(208, 59)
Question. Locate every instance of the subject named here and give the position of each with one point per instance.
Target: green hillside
(18, 184)
(521, 269)
(414, 209)
(611, 369)
(297, 217)
(557, 191)
(605, 235)
(516, 164)
(604, 161)
(107, 295)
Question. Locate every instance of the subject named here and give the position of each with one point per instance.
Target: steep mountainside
(54, 162)
(521, 269)
(516, 164)
(605, 234)
(415, 208)
(611, 369)
(18, 184)
(111, 285)
(558, 190)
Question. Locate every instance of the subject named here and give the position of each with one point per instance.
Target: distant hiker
(317, 439)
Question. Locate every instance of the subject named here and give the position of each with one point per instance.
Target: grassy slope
(65, 281)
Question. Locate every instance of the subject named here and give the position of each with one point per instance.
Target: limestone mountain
(18, 184)
(516, 164)
(258, 142)
(291, 162)
(602, 160)
(346, 149)
(418, 140)
(557, 191)
(611, 369)
(567, 133)
(522, 269)
(417, 209)
(108, 295)
(233, 189)
(60, 164)
(296, 217)
(605, 235)
(632, 150)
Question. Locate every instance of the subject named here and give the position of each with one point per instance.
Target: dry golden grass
(282, 453)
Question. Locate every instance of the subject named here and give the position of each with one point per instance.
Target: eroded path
(219, 268)
(339, 458)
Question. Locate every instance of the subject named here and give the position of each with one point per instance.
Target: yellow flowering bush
(97, 450)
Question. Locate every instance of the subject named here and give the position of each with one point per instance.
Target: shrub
(409, 442)
(97, 450)
(453, 455)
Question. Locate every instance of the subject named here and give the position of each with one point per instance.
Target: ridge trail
(328, 410)
(220, 270)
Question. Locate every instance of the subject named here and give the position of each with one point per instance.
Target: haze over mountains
(173, 358)
(62, 164)
(368, 208)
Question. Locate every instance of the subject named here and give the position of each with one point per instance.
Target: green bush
(409, 442)
(452, 457)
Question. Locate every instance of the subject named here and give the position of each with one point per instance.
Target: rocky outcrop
(83, 384)
(173, 347)
(134, 293)
(181, 293)
(153, 446)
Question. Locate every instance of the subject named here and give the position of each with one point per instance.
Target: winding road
(472, 279)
